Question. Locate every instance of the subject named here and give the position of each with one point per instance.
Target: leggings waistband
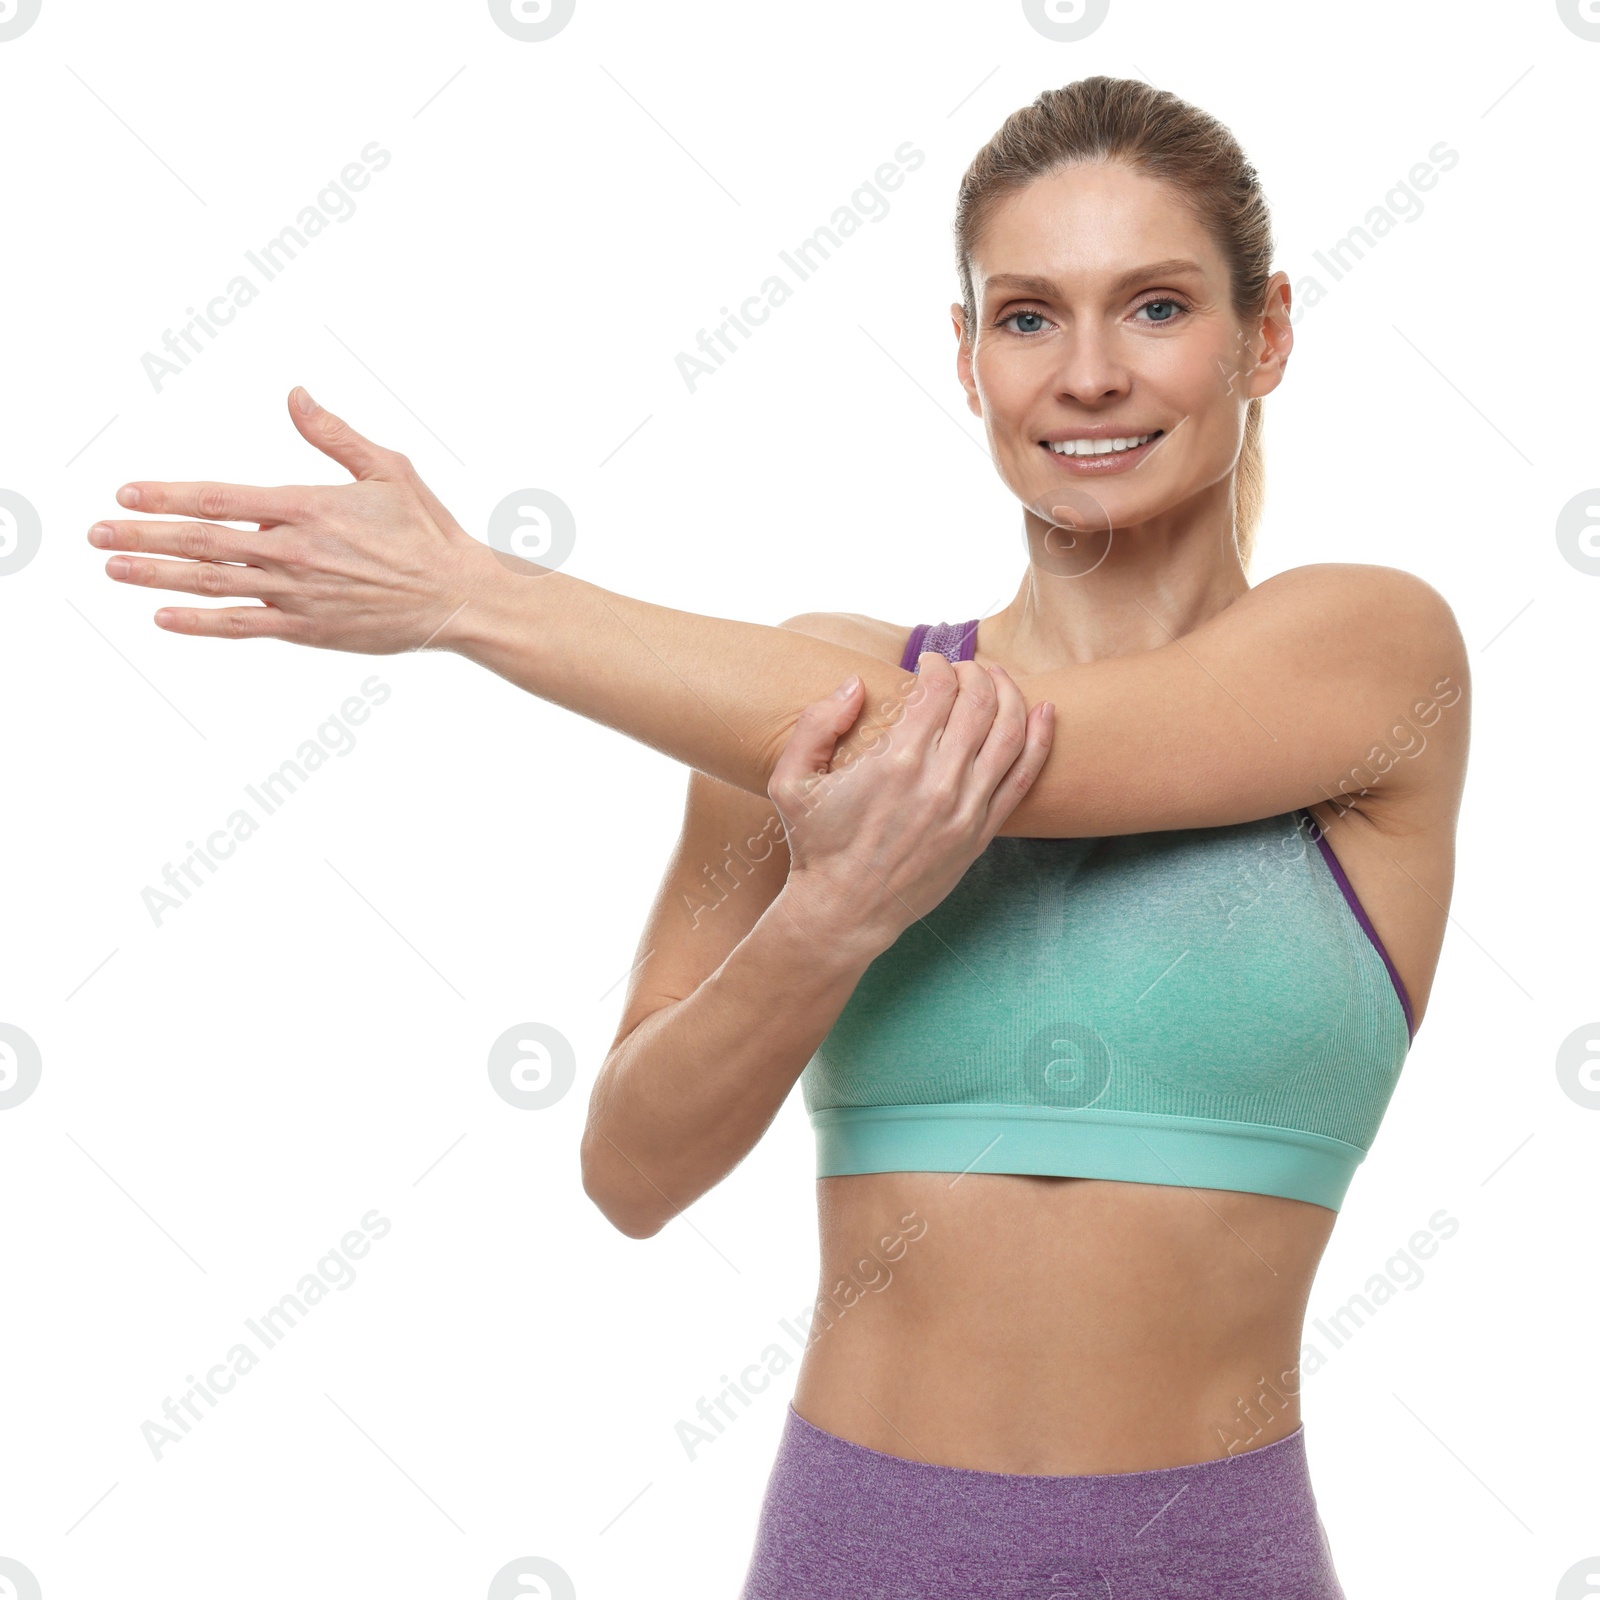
(837, 1510)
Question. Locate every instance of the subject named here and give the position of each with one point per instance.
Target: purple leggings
(840, 1520)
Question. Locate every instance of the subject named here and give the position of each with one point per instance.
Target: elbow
(631, 1227)
(631, 1224)
(618, 1207)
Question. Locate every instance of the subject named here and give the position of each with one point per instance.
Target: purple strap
(1361, 916)
(955, 641)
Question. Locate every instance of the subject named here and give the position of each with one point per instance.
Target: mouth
(1095, 457)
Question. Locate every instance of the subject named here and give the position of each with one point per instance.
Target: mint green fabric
(1198, 1007)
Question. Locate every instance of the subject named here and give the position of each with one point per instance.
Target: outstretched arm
(1322, 682)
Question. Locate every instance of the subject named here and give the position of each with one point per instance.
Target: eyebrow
(1044, 289)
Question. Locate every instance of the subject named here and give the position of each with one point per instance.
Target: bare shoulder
(1416, 685)
(1385, 600)
(1390, 633)
(869, 635)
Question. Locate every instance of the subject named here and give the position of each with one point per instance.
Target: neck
(1110, 592)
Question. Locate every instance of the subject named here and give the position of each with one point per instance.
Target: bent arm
(1321, 683)
(686, 1095)
(727, 1002)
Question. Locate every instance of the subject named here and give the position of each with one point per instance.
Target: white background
(225, 1095)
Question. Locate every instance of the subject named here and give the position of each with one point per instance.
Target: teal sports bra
(1206, 1007)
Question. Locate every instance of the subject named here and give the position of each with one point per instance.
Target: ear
(958, 316)
(1275, 339)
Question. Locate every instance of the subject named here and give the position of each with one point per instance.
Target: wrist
(496, 606)
(826, 928)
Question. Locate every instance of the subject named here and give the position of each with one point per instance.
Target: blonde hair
(1154, 132)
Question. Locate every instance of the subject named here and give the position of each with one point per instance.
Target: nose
(1091, 371)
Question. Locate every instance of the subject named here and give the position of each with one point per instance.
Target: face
(1103, 313)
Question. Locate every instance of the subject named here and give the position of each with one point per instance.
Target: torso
(1029, 1324)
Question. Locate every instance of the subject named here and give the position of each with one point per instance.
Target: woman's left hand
(376, 566)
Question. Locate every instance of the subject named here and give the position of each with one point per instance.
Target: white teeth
(1099, 447)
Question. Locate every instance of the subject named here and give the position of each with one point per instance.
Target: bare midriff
(1057, 1325)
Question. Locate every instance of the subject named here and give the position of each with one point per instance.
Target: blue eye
(1177, 305)
(1037, 316)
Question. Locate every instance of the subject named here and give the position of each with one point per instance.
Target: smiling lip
(1112, 460)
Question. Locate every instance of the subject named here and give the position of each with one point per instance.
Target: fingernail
(303, 402)
(163, 616)
(117, 566)
(101, 534)
(127, 495)
(847, 688)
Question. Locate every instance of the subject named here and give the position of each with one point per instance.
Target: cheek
(1188, 373)
(1007, 382)
(1203, 389)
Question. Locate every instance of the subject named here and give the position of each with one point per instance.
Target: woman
(1095, 1019)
